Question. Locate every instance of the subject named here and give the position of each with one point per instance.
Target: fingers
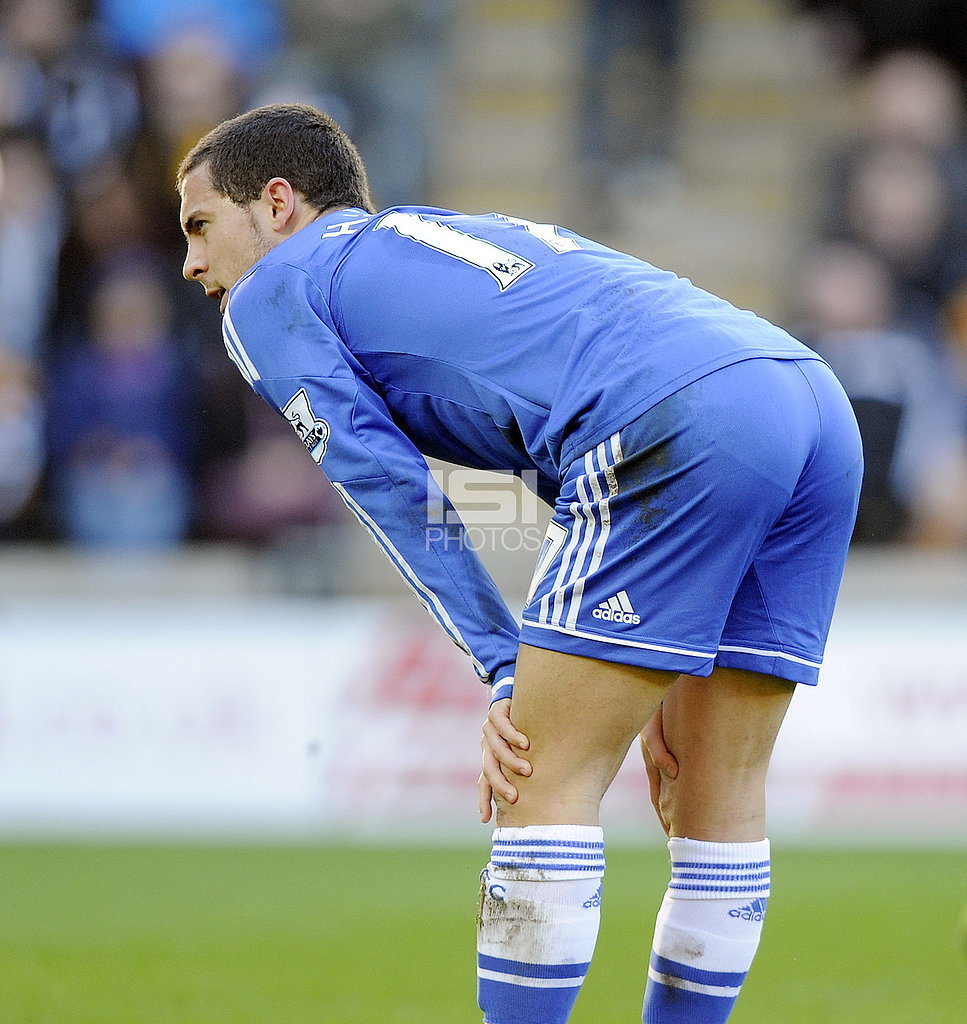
(502, 752)
(654, 786)
(490, 783)
(664, 762)
(499, 716)
(485, 796)
(504, 740)
(660, 763)
(493, 783)
(653, 747)
(500, 745)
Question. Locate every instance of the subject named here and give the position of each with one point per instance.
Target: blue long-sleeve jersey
(484, 340)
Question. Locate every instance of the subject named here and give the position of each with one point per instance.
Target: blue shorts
(712, 530)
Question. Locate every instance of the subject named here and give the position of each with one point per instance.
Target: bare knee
(552, 797)
(721, 731)
(581, 717)
(689, 809)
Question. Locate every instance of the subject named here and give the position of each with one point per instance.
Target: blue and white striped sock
(540, 900)
(707, 931)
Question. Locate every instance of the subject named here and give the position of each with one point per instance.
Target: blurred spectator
(106, 210)
(630, 96)
(910, 95)
(130, 480)
(863, 30)
(31, 230)
(269, 490)
(898, 204)
(191, 82)
(30, 233)
(120, 420)
(98, 101)
(900, 185)
(940, 506)
(908, 411)
(373, 65)
(252, 30)
(59, 81)
(22, 441)
(913, 97)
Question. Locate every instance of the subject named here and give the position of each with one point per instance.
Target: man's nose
(194, 266)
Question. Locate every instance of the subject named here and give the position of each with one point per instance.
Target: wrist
(502, 689)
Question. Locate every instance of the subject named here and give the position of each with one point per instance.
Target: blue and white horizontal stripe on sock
(516, 972)
(707, 931)
(721, 984)
(695, 876)
(531, 853)
(540, 901)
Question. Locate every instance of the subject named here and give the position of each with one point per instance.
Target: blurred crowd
(883, 292)
(123, 424)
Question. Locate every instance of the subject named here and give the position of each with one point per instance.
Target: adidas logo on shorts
(617, 609)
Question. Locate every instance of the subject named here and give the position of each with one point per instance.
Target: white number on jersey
(503, 266)
(546, 233)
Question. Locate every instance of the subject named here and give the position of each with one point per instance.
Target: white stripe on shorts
(588, 535)
(771, 654)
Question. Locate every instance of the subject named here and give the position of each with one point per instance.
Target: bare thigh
(722, 730)
(581, 716)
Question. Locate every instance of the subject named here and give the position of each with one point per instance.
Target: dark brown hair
(283, 140)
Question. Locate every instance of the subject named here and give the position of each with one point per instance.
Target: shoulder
(279, 324)
(271, 290)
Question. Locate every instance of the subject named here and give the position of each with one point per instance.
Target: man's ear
(280, 199)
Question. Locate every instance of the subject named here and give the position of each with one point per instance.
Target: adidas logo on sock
(595, 900)
(755, 911)
(617, 609)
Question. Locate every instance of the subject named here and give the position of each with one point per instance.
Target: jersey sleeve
(277, 332)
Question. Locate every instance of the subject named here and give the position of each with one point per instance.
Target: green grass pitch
(236, 934)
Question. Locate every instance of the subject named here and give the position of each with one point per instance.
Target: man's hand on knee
(660, 763)
(501, 745)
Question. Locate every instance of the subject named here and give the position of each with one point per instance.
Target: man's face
(224, 239)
